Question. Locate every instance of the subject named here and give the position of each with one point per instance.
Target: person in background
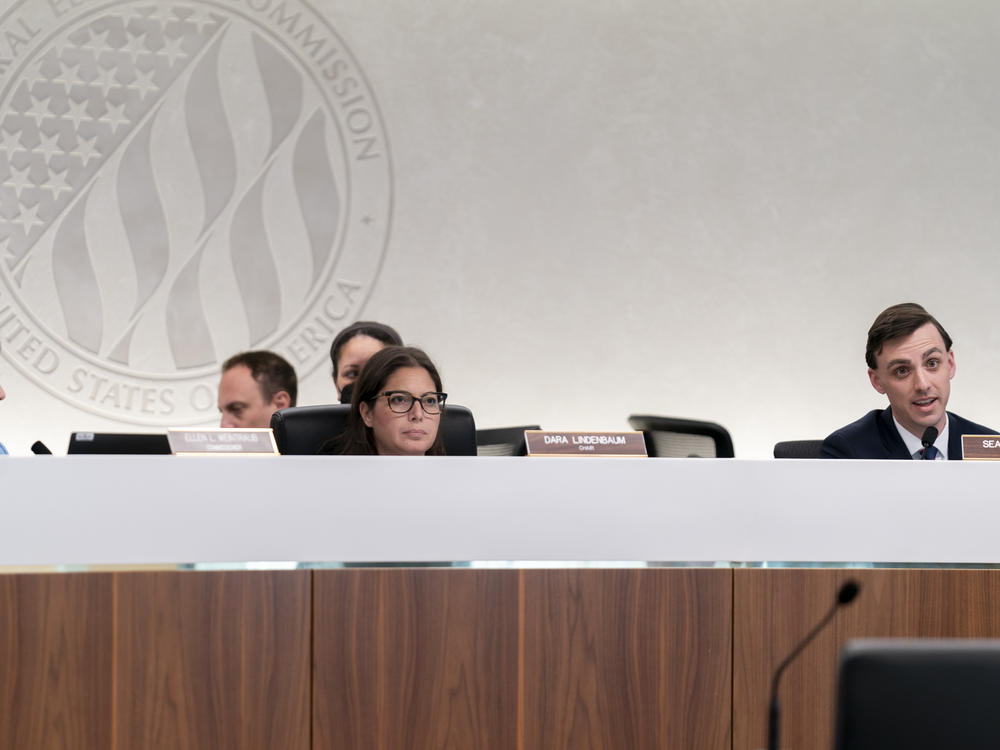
(396, 408)
(254, 385)
(352, 347)
(909, 360)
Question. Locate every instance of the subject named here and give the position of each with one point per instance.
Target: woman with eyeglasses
(396, 407)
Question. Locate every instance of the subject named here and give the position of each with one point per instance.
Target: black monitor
(118, 443)
(919, 694)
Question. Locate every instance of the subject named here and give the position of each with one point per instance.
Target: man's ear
(951, 364)
(366, 413)
(281, 400)
(876, 381)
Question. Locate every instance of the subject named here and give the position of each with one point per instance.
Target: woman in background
(396, 407)
(353, 346)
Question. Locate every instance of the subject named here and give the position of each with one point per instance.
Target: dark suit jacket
(875, 436)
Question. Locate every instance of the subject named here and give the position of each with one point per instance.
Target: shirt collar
(914, 446)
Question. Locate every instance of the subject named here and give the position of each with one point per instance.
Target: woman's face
(352, 357)
(410, 434)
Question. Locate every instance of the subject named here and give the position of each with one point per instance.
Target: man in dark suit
(909, 360)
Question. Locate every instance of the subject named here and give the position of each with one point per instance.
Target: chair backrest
(503, 441)
(302, 430)
(798, 449)
(459, 431)
(919, 694)
(672, 437)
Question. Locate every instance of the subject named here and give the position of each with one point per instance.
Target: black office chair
(671, 437)
(918, 694)
(798, 449)
(301, 430)
(503, 441)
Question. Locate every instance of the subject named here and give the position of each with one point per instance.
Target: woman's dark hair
(358, 438)
(378, 331)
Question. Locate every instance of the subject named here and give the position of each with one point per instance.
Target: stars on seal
(75, 105)
(97, 43)
(48, 145)
(105, 80)
(58, 183)
(157, 15)
(68, 76)
(28, 219)
(20, 180)
(76, 112)
(143, 83)
(136, 46)
(10, 141)
(115, 116)
(82, 58)
(173, 50)
(86, 149)
(39, 109)
(201, 19)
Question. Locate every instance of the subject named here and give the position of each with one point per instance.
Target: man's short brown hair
(271, 371)
(898, 321)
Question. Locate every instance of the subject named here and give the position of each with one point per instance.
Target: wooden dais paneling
(212, 660)
(530, 660)
(627, 659)
(417, 658)
(56, 636)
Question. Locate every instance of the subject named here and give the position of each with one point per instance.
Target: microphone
(930, 435)
(40, 449)
(845, 596)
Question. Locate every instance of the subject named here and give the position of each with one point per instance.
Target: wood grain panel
(418, 658)
(212, 660)
(627, 659)
(55, 661)
(773, 609)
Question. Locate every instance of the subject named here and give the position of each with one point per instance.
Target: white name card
(548, 443)
(981, 447)
(223, 441)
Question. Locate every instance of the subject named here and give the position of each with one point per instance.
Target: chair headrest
(302, 430)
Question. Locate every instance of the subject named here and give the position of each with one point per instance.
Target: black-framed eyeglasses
(400, 402)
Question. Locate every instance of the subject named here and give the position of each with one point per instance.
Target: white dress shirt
(916, 448)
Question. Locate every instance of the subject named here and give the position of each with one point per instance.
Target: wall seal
(179, 181)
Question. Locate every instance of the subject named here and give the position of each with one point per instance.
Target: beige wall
(691, 209)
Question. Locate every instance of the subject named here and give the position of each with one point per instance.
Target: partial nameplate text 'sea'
(981, 447)
(181, 180)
